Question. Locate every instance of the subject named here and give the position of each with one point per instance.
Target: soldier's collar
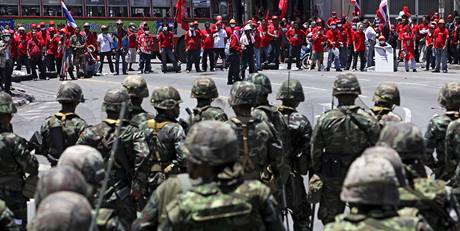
(283, 108)
(64, 115)
(207, 189)
(112, 121)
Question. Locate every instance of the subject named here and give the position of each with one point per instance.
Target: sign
(384, 59)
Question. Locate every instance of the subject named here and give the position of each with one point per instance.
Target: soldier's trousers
(296, 197)
(330, 204)
(17, 203)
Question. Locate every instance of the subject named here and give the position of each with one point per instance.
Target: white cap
(247, 27)
(21, 28)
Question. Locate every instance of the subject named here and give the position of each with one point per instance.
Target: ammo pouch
(30, 184)
(334, 166)
(300, 164)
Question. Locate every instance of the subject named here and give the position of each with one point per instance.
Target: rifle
(285, 210)
(113, 151)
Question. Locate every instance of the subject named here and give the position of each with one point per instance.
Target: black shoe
(116, 73)
(130, 69)
(338, 70)
(415, 70)
(229, 83)
(435, 71)
(125, 73)
(444, 71)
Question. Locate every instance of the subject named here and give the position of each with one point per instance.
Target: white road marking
(408, 113)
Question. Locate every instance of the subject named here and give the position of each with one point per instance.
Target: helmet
(213, 148)
(243, 92)
(346, 84)
(393, 157)
(387, 93)
(370, 181)
(405, 138)
(291, 90)
(136, 86)
(166, 98)
(114, 98)
(63, 178)
(449, 96)
(262, 82)
(204, 88)
(69, 92)
(6, 104)
(63, 211)
(85, 159)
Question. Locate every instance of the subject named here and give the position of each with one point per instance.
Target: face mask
(165, 29)
(340, 25)
(146, 32)
(333, 27)
(232, 25)
(7, 38)
(192, 28)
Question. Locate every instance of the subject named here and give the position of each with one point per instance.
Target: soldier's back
(140, 116)
(436, 133)
(365, 223)
(209, 113)
(270, 114)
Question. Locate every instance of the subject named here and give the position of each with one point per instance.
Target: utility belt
(335, 165)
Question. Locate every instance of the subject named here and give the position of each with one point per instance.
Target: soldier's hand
(169, 168)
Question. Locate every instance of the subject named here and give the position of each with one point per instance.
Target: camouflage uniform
(7, 218)
(340, 136)
(164, 136)
(386, 96)
(63, 129)
(430, 197)
(16, 162)
(204, 88)
(137, 90)
(299, 131)
(370, 187)
(452, 145)
(78, 45)
(68, 211)
(128, 178)
(229, 203)
(449, 98)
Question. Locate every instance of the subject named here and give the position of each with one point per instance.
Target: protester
(220, 37)
(132, 50)
(105, 43)
(208, 48)
(78, 45)
(247, 41)
(193, 41)
(35, 56)
(120, 45)
(409, 49)
(146, 43)
(234, 57)
(166, 40)
(359, 44)
(441, 36)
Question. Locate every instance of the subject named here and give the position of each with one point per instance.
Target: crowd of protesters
(254, 45)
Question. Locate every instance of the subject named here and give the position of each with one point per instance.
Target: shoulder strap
(357, 123)
(379, 225)
(153, 124)
(184, 181)
(246, 159)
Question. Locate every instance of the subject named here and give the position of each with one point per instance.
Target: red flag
(181, 13)
(283, 6)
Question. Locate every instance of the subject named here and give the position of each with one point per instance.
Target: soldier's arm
(452, 157)
(27, 161)
(317, 146)
(275, 152)
(148, 219)
(430, 143)
(7, 219)
(178, 136)
(141, 163)
(307, 132)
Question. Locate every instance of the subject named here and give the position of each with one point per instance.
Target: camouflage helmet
(449, 96)
(393, 157)
(262, 82)
(243, 92)
(63, 178)
(68, 211)
(213, 148)
(136, 86)
(346, 84)
(370, 181)
(166, 98)
(204, 88)
(387, 93)
(85, 159)
(6, 104)
(405, 138)
(69, 92)
(114, 98)
(291, 90)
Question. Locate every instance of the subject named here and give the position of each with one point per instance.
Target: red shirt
(193, 42)
(208, 39)
(229, 31)
(359, 39)
(60, 49)
(275, 30)
(429, 39)
(333, 38)
(440, 36)
(318, 39)
(258, 41)
(53, 46)
(235, 44)
(33, 47)
(146, 43)
(343, 37)
(132, 37)
(91, 39)
(166, 40)
(265, 39)
(408, 45)
(350, 32)
(295, 37)
(22, 45)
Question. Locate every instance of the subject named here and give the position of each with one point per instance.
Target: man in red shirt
(132, 50)
(51, 50)
(441, 36)
(34, 52)
(146, 44)
(264, 41)
(333, 47)
(359, 44)
(208, 48)
(234, 58)
(318, 39)
(343, 43)
(275, 34)
(166, 40)
(21, 42)
(193, 47)
(296, 38)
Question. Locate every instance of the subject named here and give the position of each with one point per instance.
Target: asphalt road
(418, 95)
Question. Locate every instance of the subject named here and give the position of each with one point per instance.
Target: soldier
(128, 178)
(62, 129)
(78, 46)
(7, 218)
(16, 163)
(452, 145)
(430, 197)
(233, 203)
(61, 211)
(299, 130)
(260, 150)
(204, 90)
(386, 97)
(164, 136)
(137, 90)
(371, 189)
(339, 137)
(448, 98)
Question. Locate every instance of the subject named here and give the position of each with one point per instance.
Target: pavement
(418, 95)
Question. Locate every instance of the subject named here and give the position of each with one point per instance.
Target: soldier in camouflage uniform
(429, 197)
(63, 211)
(78, 46)
(7, 218)
(448, 98)
(128, 178)
(371, 189)
(15, 188)
(299, 130)
(339, 137)
(62, 129)
(204, 90)
(223, 200)
(137, 90)
(386, 97)
(164, 136)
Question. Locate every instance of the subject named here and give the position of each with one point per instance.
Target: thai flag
(382, 12)
(68, 15)
(357, 4)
